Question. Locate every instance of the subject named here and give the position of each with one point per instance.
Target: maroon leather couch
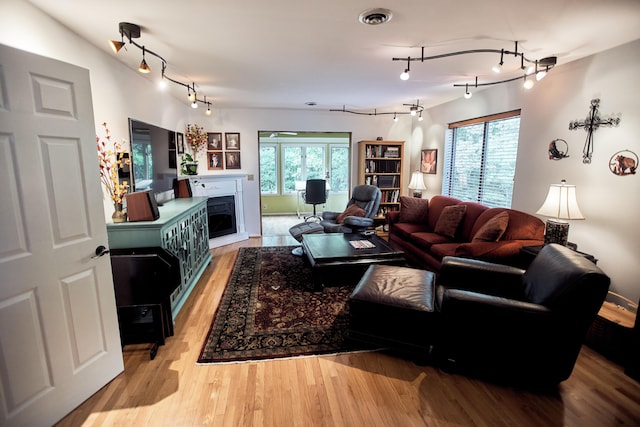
(413, 230)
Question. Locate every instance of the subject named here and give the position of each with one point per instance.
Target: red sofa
(426, 230)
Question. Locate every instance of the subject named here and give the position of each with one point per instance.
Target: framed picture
(214, 141)
(180, 142)
(232, 141)
(214, 160)
(172, 140)
(429, 161)
(232, 160)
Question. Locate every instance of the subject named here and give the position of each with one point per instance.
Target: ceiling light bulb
(405, 75)
(468, 95)
(497, 68)
(530, 70)
(208, 112)
(144, 68)
(395, 117)
(420, 118)
(541, 74)
(162, 84)
(414, 111)
(528, 83)
(194, 104)
(192, 96)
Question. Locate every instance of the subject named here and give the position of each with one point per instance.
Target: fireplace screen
(222, 216)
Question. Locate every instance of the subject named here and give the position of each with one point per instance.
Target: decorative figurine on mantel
(590, 124)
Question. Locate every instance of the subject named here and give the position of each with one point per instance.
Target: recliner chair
(366, 197)
(521, 326)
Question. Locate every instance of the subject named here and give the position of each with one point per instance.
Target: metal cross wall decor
(590, 125)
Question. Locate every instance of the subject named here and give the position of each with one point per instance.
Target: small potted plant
(188, 165)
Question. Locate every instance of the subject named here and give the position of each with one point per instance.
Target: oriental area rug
(266, 311)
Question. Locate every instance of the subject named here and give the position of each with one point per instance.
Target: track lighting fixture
(528, 83)
(498, 67)
(405, 73)
(541, 66)
(144, 68)
(132, 31)
(414, 109)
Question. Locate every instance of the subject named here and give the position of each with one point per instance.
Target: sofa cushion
(493, 229)
(352, 210)
(414, 210)
(442, 250)
(406, 229)
(449, 220)
(424, 240)
(471, 214)
(436, 205)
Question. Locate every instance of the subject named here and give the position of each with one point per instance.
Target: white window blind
(480, 159)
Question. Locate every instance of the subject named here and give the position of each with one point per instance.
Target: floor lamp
(560, 204)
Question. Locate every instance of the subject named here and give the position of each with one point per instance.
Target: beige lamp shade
(561, 202)
(417, 182)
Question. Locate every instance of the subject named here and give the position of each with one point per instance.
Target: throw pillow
(493, 229)
(449, 220)
(352, 210)
(413, 210)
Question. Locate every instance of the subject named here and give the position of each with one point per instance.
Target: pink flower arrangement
(111, 161)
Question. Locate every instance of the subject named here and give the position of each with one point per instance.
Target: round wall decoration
(624, 162)
(558, 149)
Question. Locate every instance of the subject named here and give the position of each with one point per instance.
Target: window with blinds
(480, 159)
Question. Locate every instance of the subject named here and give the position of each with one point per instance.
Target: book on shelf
(392, 152)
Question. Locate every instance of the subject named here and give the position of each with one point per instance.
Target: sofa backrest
(521, 226)
(436, 205)
(473, 212)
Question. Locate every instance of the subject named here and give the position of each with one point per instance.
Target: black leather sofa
(506, 323)
(488, 320)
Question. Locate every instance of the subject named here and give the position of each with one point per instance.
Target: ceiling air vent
(375, 16)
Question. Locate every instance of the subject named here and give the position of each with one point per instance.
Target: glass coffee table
(343, 258)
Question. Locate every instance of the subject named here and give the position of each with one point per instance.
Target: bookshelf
(380, 164)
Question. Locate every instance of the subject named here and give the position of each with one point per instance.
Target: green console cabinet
(182, 230)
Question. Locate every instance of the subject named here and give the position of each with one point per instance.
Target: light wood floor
(362, 389)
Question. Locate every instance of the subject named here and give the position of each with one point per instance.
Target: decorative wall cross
(590, 125)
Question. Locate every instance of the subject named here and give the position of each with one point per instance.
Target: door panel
(59, 337)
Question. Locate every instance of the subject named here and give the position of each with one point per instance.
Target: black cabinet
(144, 279)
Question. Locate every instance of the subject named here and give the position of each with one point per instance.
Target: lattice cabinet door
(185, 230)
(200, 240)
(171, 242)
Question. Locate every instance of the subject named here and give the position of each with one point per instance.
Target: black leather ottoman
(393, 307)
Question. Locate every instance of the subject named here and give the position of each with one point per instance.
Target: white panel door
(59, 339)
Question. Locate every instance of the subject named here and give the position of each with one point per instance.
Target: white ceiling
(284, 53)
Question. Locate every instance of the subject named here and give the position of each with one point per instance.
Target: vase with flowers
(196, 141)
(112, 158)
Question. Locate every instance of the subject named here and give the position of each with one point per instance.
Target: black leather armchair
(509, 324)
(366, 197)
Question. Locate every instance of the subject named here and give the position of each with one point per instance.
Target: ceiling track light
(545, 64)
(414, 109)
(405, 73)
(132, 31)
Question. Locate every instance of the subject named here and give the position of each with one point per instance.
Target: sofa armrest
(463, 300)
(481, 276)
(393, 217)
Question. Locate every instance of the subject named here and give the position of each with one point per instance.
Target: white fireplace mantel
(223, 185)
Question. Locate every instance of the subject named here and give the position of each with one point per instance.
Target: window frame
(483, 195)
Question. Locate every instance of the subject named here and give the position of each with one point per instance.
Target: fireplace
(222, 216)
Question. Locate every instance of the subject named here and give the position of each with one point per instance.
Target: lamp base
(417, 194)
(556, 232)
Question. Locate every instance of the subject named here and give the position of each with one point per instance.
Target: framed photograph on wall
(429, 161)
(232, 141)
(180, 142)
(214, 141)
(232, 160)
(215, 160)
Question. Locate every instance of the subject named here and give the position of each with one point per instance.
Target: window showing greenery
(268, 169)
(339, 169)
(287, 157)
(480, 159)
(142, 161)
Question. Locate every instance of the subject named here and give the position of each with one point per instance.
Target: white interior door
(59, 339)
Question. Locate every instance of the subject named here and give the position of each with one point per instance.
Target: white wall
(609, 202)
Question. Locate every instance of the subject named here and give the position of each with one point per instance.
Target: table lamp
(560, 204)
(417, 184)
